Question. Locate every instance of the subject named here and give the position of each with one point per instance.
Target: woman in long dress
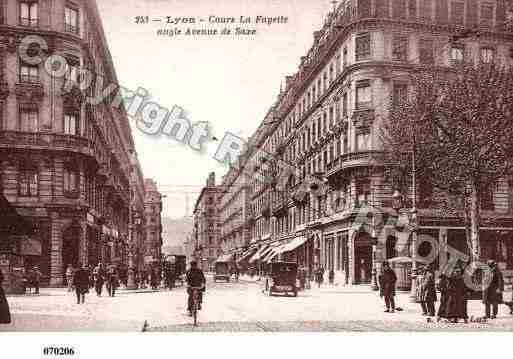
(5, 314)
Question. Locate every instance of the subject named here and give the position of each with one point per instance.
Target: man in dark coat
(492, 294)
(429, 291)
(387, 280)
(35, 277)
(81, 283)
(457, 297)
(443, 284)
(5, 314)
(99, 279)
(194, 278)
(112, 280)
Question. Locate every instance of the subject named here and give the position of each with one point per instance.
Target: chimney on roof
(211, 181)
(288, 81)
(317, 36)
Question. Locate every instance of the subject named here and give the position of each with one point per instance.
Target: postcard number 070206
(58, 351)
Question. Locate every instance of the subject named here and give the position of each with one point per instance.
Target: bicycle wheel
(195, 312)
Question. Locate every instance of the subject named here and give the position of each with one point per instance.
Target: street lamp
(397, 204)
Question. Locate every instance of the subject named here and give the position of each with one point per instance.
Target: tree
(459, 124)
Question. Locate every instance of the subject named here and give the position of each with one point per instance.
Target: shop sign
(30, 247)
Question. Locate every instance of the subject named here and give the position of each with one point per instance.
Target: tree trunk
(474, 223)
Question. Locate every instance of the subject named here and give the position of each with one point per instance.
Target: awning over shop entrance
(11, 221)
(258, 254)
(245, 256)
(294, 244)
(289, 246)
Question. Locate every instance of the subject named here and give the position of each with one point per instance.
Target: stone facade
(205, 235)
(326, 125)
(65, 164)
(153, 228)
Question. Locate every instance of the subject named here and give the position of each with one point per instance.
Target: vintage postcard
(255, 166)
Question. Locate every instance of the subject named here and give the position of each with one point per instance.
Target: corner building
(204, 245)
(65, 165)
(326, 123)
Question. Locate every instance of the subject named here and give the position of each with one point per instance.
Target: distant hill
(174, 233)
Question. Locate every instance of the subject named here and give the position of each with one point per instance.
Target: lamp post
(397, 204)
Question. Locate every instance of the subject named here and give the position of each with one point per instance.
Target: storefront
(14, 243)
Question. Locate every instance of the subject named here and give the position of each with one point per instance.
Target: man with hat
(493, 286)
(387, 281)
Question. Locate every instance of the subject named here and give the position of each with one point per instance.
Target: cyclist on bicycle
(194, 278)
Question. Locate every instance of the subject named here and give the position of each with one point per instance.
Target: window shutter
(412, 9)
(364, 9)
(382, 8)
(442, 11)
(399, 9)
(500, 14)
(472, 13)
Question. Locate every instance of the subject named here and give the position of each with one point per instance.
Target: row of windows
(363, 95)
(28, 116)
(29, 15)
(456, 11)
(29, 181)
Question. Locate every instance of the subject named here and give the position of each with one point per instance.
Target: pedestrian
(112, 281)
(302, 279)
(90, 271)
(387, 280)
(419, 289)
(319, 274)
(5, 314)
(69, 277)
(36, 279)
(429, 291)
(492, 292)
(456, 307)
(81, 283)
(443, 284)
(154, 278)
(99, 279)
(331, 276)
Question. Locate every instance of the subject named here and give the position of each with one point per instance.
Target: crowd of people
(454, 292)
(111, 277)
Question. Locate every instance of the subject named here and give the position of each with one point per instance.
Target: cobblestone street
(232, 307)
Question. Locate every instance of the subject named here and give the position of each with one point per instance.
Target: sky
(230, 82)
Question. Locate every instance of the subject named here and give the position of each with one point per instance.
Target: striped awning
(246, 255)
(258, 253)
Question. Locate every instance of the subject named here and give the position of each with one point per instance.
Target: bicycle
(195, 303)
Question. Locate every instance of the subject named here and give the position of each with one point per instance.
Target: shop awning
(246, 255)
(258, 254)
(294, 244)
(12, 222)
(271, 252)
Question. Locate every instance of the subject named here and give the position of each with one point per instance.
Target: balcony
(279, 205)
(46, 141)
(4, 89)
(355, 159)
(29, 89)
